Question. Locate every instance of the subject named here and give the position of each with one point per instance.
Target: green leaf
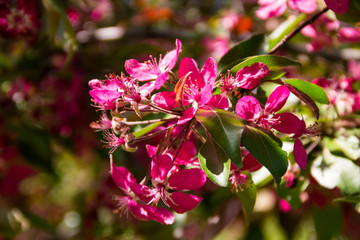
(292, 195)
(266, 150)
(328, 221)
(312, 90)
(349, 199)
(274, 75)
(305, 98)
(38, 222)
(214, 162)
(284, 29)
(225, 129)
(248, 199)
(268, 60)
(331, 171)
(255, 45)
(147, 129)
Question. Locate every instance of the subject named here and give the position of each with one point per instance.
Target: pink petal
(348, 34)
(189, 65)
(205, 95)
(250, 77)
(169, 61)
(219, 101)
(338, 6)
(160, 215)
(187, 179)
(300, 155)
(160, 80)
(165, 100)
(145, 212)
(182, 202)
(273, 8)
(143, 192)
(160, 167)
(209, 71)
(284, 205)
(151, 150)
(141, 71)
(104, 96)
(186, 153)
(305, 6)
(289, 123)
(187, 115)
(248, 108)
(277, 99)
(121, 176)
(147, 88)
(250, 163)
(309, 31)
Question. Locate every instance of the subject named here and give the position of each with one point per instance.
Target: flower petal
(160, 167)
(140, 71)
(219, 101)
(209, 72)
(187, 115)
(165, 100)
(277, 99)
(182, 202)
(189, 65)
(248, 108)
(305, 6)
(250, 77)
(289, 123)
(338, 6)
(300, 155)
(169, 61)
(187, 179)
(121, 176)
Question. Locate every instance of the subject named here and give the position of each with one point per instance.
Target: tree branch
(297, 30)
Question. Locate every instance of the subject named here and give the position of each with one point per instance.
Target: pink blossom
(166, 177)
(249, 109)
(271, 8)
(275, 8)
(151, 69)
(216, 47)
(348, 34)
(135, 193)
(194, 88)
(284, 205)
(22, 21)
(305, 6)
(250, 77)
(338, 6)
(104, 92)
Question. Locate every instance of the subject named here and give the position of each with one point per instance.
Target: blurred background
(54, 173)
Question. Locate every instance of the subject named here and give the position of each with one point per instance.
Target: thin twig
(149, 136)
(165, 110)
(297, 30)
(147, 121)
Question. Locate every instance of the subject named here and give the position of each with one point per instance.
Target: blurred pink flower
(338, 6)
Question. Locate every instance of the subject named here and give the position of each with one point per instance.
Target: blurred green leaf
(328, 222)
(352, 15)
(255, 45)
(214, 162)
(284, 29)
(266, 150)
(225, 129)
(292, 195)
(314, 91)
(248, 199)
(34, 145)
(274, 75)
(38, 222)
(268, 60)
(349, 199)
(331, 171)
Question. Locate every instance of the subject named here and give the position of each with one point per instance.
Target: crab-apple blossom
(153, 70)
(134, 200)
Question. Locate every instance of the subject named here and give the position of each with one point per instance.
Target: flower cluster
(152, 87)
